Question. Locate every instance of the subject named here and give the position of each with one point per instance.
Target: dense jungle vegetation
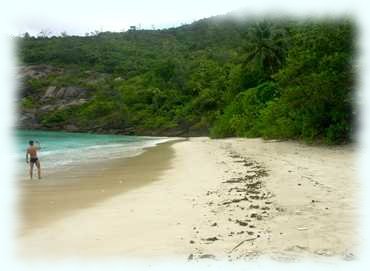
(223, 77)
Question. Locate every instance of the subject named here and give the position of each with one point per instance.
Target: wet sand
(61, 193)
(197, 199)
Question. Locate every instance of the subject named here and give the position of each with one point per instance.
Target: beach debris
(324, 252)
(241, 223)
(235, 201)
(191, 242)
(302, 228)
(242, 242)
(242, 190)
(234, 180)
(248, 164)
(207, 256)
(240, 161)
(257, 216)
(296, 248)
(190, 257)
(301, 247)
(210, 239)
(255, 185)
(238, 189)
(279, 209)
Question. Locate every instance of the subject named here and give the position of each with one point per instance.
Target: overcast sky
(81, 16)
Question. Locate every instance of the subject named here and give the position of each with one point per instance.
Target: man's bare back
(32, 151)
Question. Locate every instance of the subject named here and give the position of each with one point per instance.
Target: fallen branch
(242, 242)
(235, 201)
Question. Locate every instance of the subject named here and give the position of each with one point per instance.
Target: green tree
(266, 46)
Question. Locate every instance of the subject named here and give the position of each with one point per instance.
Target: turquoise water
(62, 149)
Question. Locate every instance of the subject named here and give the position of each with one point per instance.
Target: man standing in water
(32, 152)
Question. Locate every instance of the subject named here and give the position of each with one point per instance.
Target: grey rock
(65, 93)
(64, 105)
(47, 107)
(73, 92)
(27, 120)
(60, 93)
(50, 92)
(36, 71)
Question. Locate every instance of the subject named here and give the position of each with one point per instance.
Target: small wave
(63, 158)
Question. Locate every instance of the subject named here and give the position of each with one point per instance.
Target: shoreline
(42, 201)
(199, 198)
(49, 157)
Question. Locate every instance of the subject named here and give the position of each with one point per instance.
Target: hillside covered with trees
(219, 76)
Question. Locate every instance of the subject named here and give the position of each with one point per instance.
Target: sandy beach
(195, 199)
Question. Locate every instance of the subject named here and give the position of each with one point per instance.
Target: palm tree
(267, 46)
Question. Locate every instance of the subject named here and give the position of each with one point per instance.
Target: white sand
(311, 195)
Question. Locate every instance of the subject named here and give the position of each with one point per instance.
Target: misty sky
(81, 16)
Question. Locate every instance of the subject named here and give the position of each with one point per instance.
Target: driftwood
(242, 242)
(235, 201)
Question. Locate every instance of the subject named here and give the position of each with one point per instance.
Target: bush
(56, 118)
(241, 116)
(275, 121)
(28, 103)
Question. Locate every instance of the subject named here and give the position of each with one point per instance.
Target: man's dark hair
(31, 142)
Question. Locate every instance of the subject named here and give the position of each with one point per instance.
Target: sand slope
(227, 199)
